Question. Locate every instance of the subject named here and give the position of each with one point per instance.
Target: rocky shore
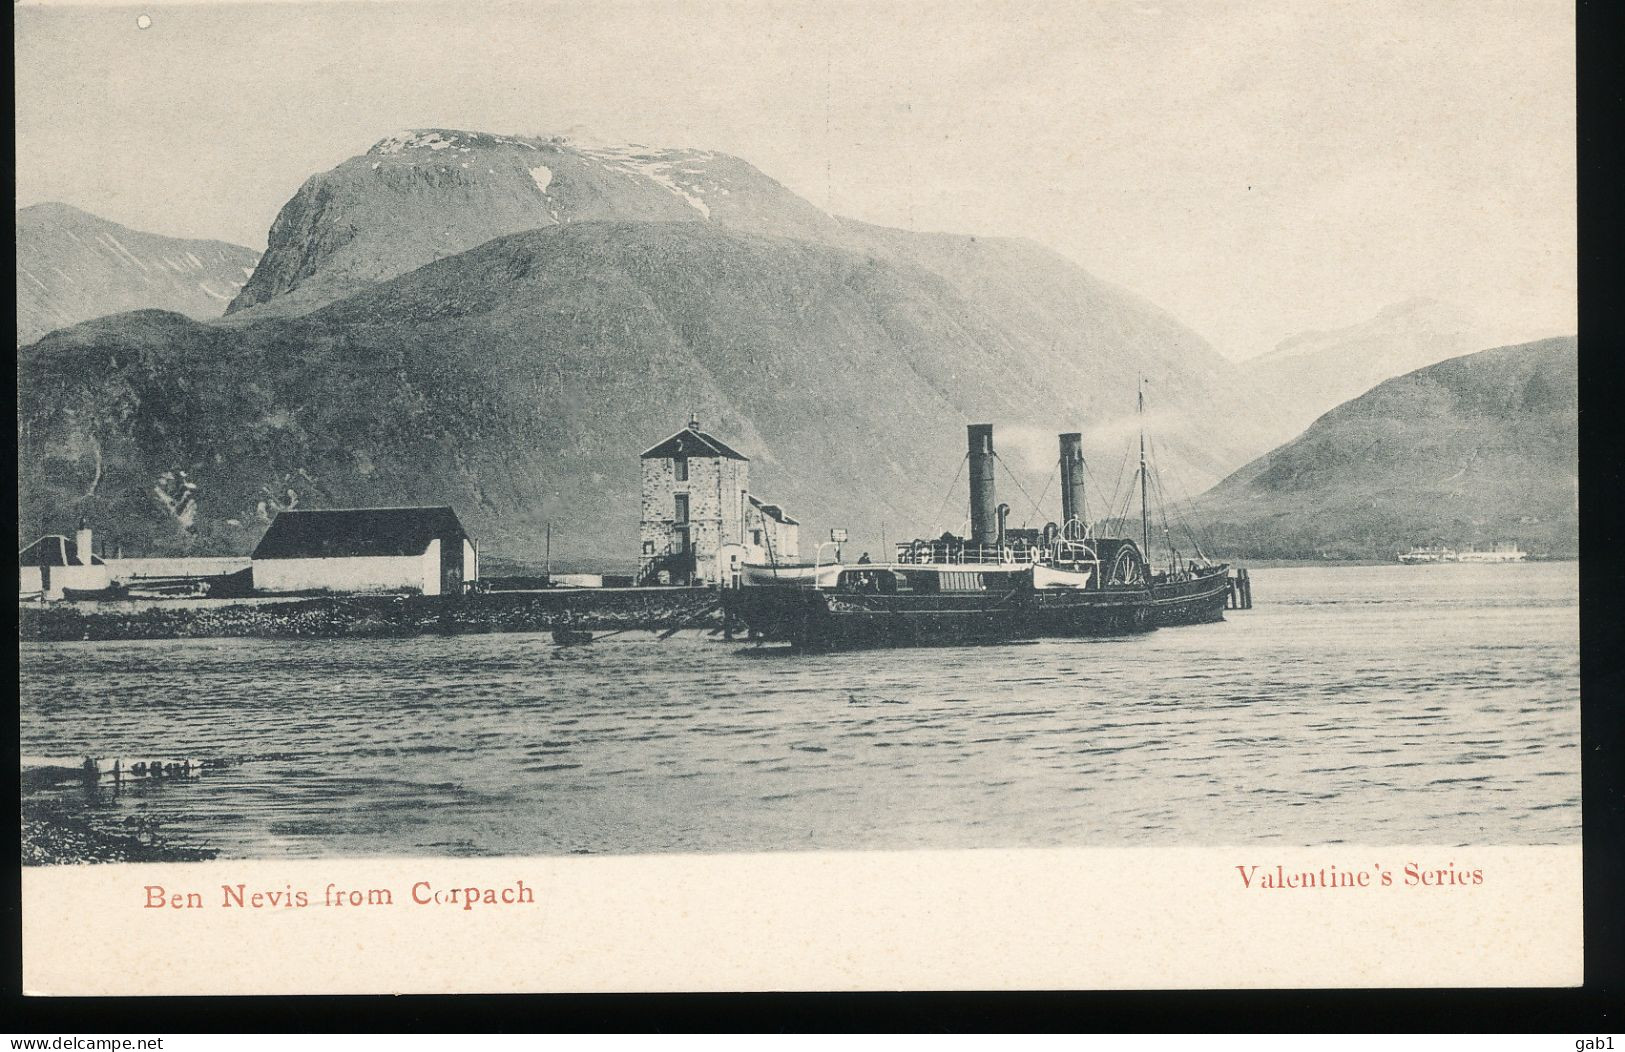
(61, 827)
(376, 616)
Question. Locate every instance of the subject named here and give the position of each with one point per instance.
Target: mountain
(1477, 449)
(519, 380)
(503, 323)
(418, 196)
(1095, 341)
(1307, 374)
(72, 266)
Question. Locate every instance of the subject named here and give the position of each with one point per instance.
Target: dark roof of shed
(692, 442)
(350, 532)
(773, 511)
(54, 550)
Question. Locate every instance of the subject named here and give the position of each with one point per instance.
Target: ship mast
(1145, 514)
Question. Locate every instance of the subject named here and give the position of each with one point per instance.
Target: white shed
(424, 550)
(54, 563)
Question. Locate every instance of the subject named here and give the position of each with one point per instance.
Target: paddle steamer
(997, 584)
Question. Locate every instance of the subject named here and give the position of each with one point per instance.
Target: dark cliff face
(503, 323)
(1477, 449)
(518, 382)
(73, 266)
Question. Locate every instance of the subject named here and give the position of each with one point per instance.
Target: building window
(679, 467)
(680, 507)
(648, 547)
(756, 537)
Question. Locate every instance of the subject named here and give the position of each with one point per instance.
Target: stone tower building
(697, 500)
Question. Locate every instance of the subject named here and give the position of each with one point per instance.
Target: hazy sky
(1257, 168)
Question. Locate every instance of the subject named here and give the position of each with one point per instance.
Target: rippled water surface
(1432, 704)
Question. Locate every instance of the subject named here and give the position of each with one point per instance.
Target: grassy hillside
(518, 381)
(422, 196)
(1473, 450)
(502, 323)
(1313, 372)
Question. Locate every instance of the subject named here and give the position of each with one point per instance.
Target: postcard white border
(922, 920)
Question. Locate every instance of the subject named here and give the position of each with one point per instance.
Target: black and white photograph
(492, 431)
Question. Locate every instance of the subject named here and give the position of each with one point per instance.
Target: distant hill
(73, 266)
(1089, 342)
(516, 373)
(1477, 449)
(1307, 374)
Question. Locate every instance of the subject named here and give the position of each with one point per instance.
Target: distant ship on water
(1505, 552)
(1500, 553)
(1428, 554)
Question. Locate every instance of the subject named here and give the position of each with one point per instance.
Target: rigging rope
(1116, 487)
(1094, 487)
(1019, 486)
(946, 497)
(1173, 503)
(1200, 538)
(1162, 510)
(1121, 521)
(1041, 495)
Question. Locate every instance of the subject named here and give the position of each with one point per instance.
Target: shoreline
(404, 616)
(371, 616)
(59, 831)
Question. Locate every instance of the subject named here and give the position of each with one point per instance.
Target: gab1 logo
(1592, 1044)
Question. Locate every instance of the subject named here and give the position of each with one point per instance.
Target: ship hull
(1198, 600)
(816, 619)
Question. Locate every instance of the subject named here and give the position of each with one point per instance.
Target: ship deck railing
(1059, 553)
(925, 553)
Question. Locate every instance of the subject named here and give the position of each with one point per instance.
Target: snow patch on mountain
(543, 176)
(435, 140)
(118, 246)
(410, 140)
(659, 166)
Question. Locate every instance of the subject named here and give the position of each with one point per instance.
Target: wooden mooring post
(1241, 591)
(94, 770)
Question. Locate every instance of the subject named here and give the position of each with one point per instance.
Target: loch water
(1363, 705)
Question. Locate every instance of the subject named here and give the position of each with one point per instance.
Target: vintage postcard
(783, 495)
